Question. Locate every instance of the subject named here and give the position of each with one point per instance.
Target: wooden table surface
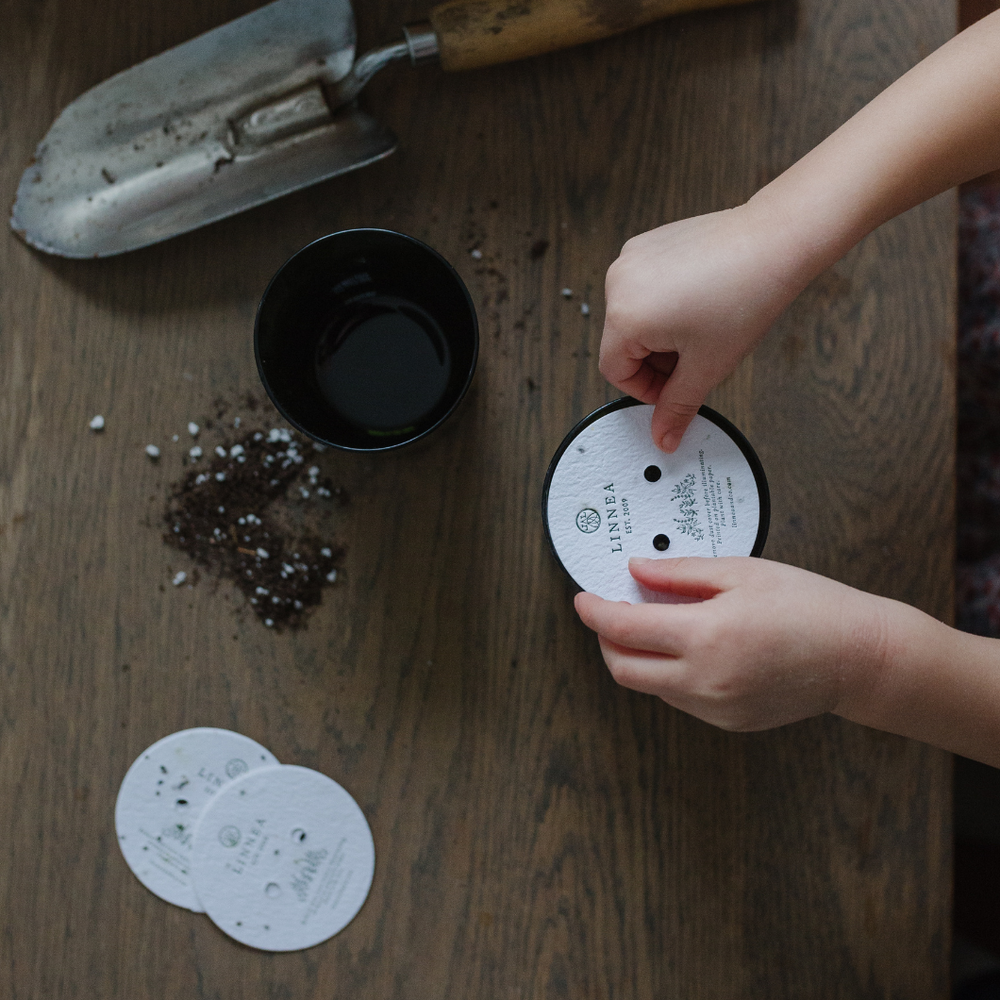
(539, 831)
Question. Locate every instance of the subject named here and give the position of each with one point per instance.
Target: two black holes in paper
(652, 473)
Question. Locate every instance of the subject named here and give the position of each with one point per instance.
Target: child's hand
(768, 643)
(686, 302)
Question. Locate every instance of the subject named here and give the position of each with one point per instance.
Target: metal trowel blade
(226, 121)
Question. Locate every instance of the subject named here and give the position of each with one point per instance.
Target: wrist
(866, 655)
(899, 666)
(907, 678)
(801, 234)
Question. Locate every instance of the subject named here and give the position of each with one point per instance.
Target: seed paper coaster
(283, 858)
(610, 494)
(164, 793)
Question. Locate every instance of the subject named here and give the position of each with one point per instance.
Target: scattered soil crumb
(538, 249)
(253, 514)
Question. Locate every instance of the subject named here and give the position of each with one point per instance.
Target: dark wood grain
(539, 832)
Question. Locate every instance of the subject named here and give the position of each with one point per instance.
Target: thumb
(688, 576)
(679, 401)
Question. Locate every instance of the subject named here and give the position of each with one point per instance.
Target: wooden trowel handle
(475, 33)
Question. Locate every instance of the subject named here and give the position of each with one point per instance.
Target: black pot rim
(465, 385)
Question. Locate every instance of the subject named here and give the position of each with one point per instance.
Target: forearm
(932, 683)
(935, 127)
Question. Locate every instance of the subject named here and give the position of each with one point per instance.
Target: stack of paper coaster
(280, 857)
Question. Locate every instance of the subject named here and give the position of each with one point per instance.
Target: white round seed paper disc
(612, 494)
(162, 796)
(283, 858)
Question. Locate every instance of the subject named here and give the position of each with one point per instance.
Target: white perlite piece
(196, 453)
(220, 451)
(567, 293)
(193, 429)
(179, 578)
(584, 308)
(263, 554)
(152, 451)
(96, 423)
(476, 254)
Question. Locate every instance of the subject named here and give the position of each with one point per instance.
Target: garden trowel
(260, 107)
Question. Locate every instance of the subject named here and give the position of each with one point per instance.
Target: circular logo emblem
(236, 766)
(588, 520)
(229, 836)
